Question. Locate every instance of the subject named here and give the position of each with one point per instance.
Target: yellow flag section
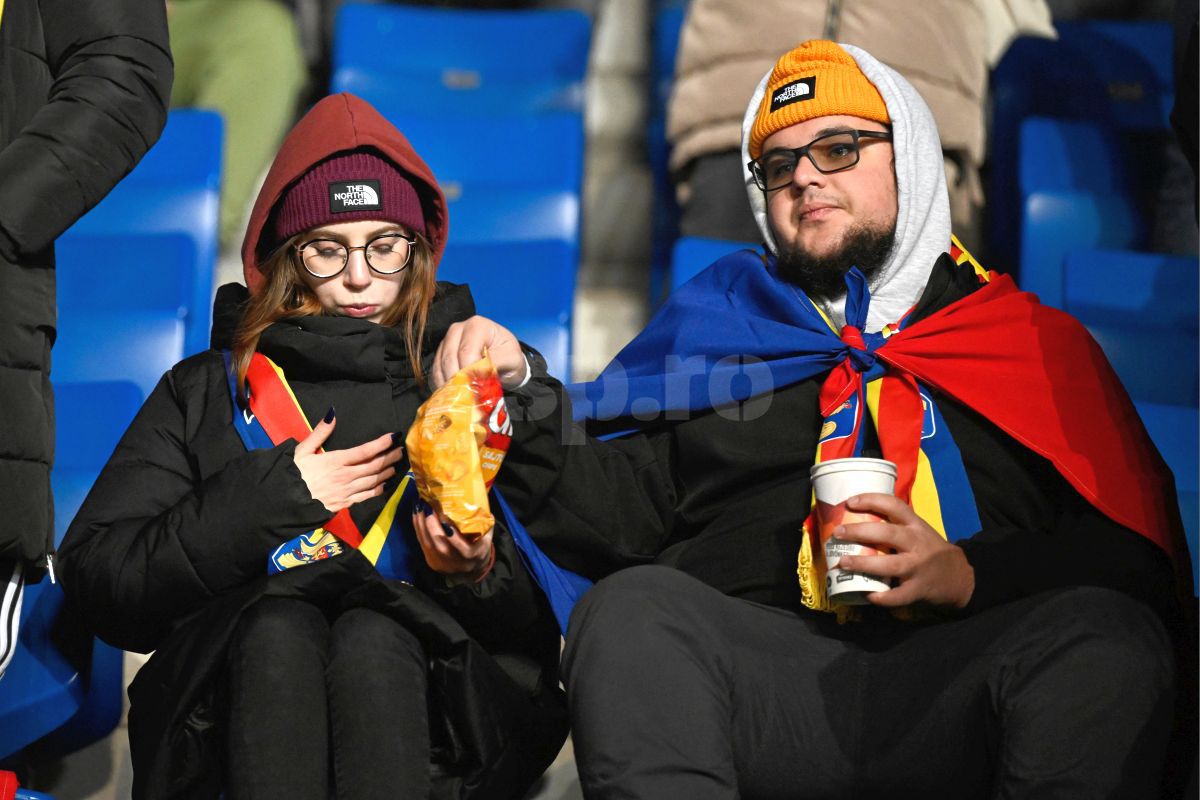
(372, 543)
(924, 498)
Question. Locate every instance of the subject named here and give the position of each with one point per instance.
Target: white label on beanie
(794, 92)
(353, 196)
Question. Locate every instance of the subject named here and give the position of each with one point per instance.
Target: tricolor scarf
(272, 415)
(1031, 370)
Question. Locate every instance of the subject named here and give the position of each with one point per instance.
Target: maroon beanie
(347, 188)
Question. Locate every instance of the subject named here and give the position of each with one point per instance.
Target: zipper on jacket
(50, 567)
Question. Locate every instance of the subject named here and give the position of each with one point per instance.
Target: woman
(327, 678)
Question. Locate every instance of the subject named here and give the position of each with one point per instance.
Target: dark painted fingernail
(396, 440)
(421, 507)
(329, 415)
(448, 530)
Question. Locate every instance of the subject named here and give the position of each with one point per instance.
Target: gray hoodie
(923, 220)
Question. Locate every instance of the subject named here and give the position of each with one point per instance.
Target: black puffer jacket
(171, 544)
(83, 94)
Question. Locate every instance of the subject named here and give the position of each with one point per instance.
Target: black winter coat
(84, 86)
(170, 547)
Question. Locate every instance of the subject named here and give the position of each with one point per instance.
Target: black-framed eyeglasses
(832, 152)
(386, 254)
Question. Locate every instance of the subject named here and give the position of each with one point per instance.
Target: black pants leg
(679, 691)
(377, 681)
(277, 740)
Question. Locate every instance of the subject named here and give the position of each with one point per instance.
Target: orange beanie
(816, 79)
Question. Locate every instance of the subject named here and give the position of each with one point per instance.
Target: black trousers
(305, 694)
(677, 690)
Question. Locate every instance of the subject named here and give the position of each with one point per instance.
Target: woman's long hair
(285, 295)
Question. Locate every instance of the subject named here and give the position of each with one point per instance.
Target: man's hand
(464, 344)
(340, 478)
(449, 552)
(926, 566)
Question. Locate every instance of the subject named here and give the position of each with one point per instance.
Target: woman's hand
(340, 478)
(449, 552)
(926, 566)
(464, 344)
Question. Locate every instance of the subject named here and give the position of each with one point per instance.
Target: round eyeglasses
(832, 152)
(386, 254)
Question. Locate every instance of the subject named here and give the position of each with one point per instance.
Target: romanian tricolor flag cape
(1031, 370)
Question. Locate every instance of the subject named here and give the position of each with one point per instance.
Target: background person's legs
(379, 719)
(242, 58)
(277, 740)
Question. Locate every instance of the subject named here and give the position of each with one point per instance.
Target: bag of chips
(457, 443)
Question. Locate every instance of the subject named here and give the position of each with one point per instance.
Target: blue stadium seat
(543, 151)
(43, 694)
(550, 338)
(1136, 289)
(692, 254)
(100, 345)
(1061, 154)
(1114, 73)
(1141, 307)
(527, 286)
(41, 689)
(668, 22)
(189, 150)
(1175, 431)
(1156, 365)
(46, 698)
(515, 279)
(454, 60)
(483, 214)
(1076, 194)
(1054, 223)
(124, 271)
(90, 418)
(173, 197)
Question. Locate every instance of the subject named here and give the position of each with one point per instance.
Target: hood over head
(923, 214)
(339, 124)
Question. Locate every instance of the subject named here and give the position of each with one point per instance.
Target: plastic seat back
(173, 194)
(1117, 74)
(543, 151)
(1154, 366)
(668, 24)
(1054, 223)
(693, 254)
(1134, 289)
(137, 346)
(448, 60)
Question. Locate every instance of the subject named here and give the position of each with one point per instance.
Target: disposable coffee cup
(834, 482)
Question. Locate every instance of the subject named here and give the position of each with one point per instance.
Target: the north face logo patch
(353, 196)
(794, 92)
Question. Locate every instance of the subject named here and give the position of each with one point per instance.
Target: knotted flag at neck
(1032, 371)
(861, 391)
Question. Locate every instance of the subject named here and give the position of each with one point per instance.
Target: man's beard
(824, 277)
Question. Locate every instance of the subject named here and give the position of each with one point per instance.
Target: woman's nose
(358, 273)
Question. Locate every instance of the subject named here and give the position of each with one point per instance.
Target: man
(725, 45)
(83, 94)
(1033, 543)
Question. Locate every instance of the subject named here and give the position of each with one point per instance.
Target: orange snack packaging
(456, 445)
